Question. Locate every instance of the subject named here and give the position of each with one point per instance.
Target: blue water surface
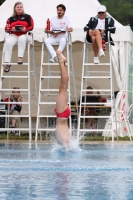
(45, 171)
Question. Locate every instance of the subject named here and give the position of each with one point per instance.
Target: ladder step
(14, 102)
(14, 129)
(26, 90)
(97, 77)
(100, 72)
(20, 71)
(95, 90)
(56, 72)
(103, 64)
(95, 103)
(14, 76)
(50, 90)
(51, 94)
(87, 117)
(92, 130)
(50, 64)
(47, 103)
(15, 64)
(6, 115)
(50, 77)
(47, 116)
(46, 129)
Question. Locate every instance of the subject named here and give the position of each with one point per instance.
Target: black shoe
(17, 133)
(20, 61)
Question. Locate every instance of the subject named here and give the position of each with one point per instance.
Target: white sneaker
(96, 60)
(53, 60)
(101, 53)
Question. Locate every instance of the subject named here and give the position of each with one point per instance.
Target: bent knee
(97, 32)
(47, 41)
(22, 38)
(93, 38)
(8, 43)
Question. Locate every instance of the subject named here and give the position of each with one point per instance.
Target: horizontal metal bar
(97, 90)
(47, 116)
(46, 103)
(100, 72)
(86, 117)
(11, 89)
(103, 64)
(94, 103)
(14, 129)
(46, 129)
(50, 64)
(14, 76)
(101, 94)
(6, 115)
(92, 130)
(81, 130)
(20, 71)
(14, 64)
(14, 102)
(50, 77)
(49, 94)
(49, 90)
(54, 72)
(97, 77)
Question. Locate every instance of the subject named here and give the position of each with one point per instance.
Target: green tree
(1, 1)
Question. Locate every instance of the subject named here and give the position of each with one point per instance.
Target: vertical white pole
(29, 106)
(39, 94)
(78, 134)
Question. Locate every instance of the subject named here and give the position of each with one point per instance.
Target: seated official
(91, 98)
(15, 109)
(17, 26)
(59, 25)
(97, 29)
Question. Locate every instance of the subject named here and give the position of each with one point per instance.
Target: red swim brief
(64, 114)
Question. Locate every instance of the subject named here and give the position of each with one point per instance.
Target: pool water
(45, 171)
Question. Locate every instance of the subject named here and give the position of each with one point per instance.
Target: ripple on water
(51, 172)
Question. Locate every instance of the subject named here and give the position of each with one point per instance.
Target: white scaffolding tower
(121, 120)
(90, 71)
(16, 75)
(49, 87)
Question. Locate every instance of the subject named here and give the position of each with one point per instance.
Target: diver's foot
(60, 56)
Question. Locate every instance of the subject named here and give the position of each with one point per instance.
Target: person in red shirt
(17, 26)
(14, 108)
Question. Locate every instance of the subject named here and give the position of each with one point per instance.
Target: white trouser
(61, 40)
(11, 40)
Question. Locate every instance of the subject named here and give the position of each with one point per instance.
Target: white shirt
(100, 24)
(60, 24)
(13, 105)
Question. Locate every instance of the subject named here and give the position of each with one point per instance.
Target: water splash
(73, 146)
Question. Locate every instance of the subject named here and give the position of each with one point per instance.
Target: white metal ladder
(89, 74)
(21, 75)
(49, 91)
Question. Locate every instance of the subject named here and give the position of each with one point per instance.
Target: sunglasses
(15, 87)
(100, 12)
